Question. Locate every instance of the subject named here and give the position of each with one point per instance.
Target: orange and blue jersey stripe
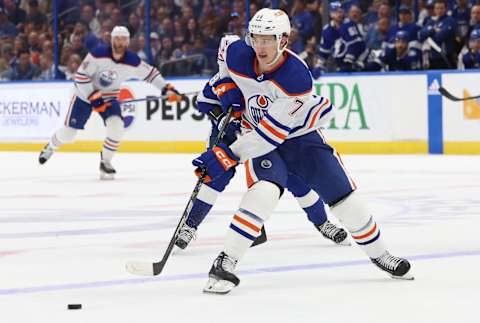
(272, 131)
(82, 78)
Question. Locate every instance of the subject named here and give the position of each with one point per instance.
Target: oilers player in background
(210, 103)
(97, 85)
(284, 136)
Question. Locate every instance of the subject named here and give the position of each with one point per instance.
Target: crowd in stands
(361, 35)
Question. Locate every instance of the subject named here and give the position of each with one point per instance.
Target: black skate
(262, 238)
(185, 236)
(45, 154)
(334, 233)
(221, 277)
(106, 170)
(396, 267)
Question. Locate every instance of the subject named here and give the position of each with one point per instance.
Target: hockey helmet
(120, 31)
(273, 22)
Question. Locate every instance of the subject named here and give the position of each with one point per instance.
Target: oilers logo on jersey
(107, 77)
(258, 106)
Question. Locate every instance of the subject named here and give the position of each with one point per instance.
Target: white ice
(65, 237)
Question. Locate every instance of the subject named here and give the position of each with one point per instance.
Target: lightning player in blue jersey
(280, 130)
(209, 103)
(97, 87)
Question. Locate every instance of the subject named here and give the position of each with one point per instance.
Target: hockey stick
(443, 91)
(153, 269)
(437, 48)
(153, 97)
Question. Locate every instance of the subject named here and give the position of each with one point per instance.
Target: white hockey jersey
(279, 104)
(100, 71)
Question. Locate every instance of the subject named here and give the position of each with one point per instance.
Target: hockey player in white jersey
(280, 129)
(97, 86)
(210, 104)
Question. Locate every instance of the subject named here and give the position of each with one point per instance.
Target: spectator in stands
(117, 17)
(7, 28)
(309, 54)
(399, 57)
(377, 34)
(47, 68)
(405, 23)
(461, 14)
(235, 26)
(154, 43)
(371, 17)
(295, 42)
(78, 46)
(191, 34)
(179, 37)
(302, 20)
(88, 16)
(166, 29)
(34, 15)
(134, 24)
(470, 57)
(474, 18)
(352, 52)
(23, 70)
(330, 35)
(7, 55)
(427, 14)
(15, 14)
(70, 69)
(442, 31)
(34, 47)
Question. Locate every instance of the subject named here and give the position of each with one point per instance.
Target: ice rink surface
(65, 237)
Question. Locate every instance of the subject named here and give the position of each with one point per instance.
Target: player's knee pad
(115, 127)
(261, 199)
(269, 167)
(66, 134)
(352, 212)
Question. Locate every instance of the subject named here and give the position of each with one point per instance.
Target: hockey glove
(97, 102)
(215, 162)
(172, 94)
(230, 96)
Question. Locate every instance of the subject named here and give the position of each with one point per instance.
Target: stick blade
(140, 268)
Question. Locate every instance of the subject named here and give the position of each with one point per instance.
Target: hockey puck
(74, 306)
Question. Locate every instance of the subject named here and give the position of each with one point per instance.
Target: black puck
(74, 306)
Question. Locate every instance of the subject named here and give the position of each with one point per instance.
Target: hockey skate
(221, 277)
(185, 236)
(396, 267)
(107, 172)
(45, 154)
(332, 232)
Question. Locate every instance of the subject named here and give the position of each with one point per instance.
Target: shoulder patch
(131, 59)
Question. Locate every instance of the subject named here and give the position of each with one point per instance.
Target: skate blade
(407, 276)
(106, 177)
(220, 287)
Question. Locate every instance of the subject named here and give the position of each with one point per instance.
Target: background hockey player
(97, 85)
(284, 134)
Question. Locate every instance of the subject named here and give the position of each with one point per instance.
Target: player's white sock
(354, 215)
(62, 136)
(115, 130)
(255, 208)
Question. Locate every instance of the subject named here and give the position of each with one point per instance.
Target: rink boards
(376, 113)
